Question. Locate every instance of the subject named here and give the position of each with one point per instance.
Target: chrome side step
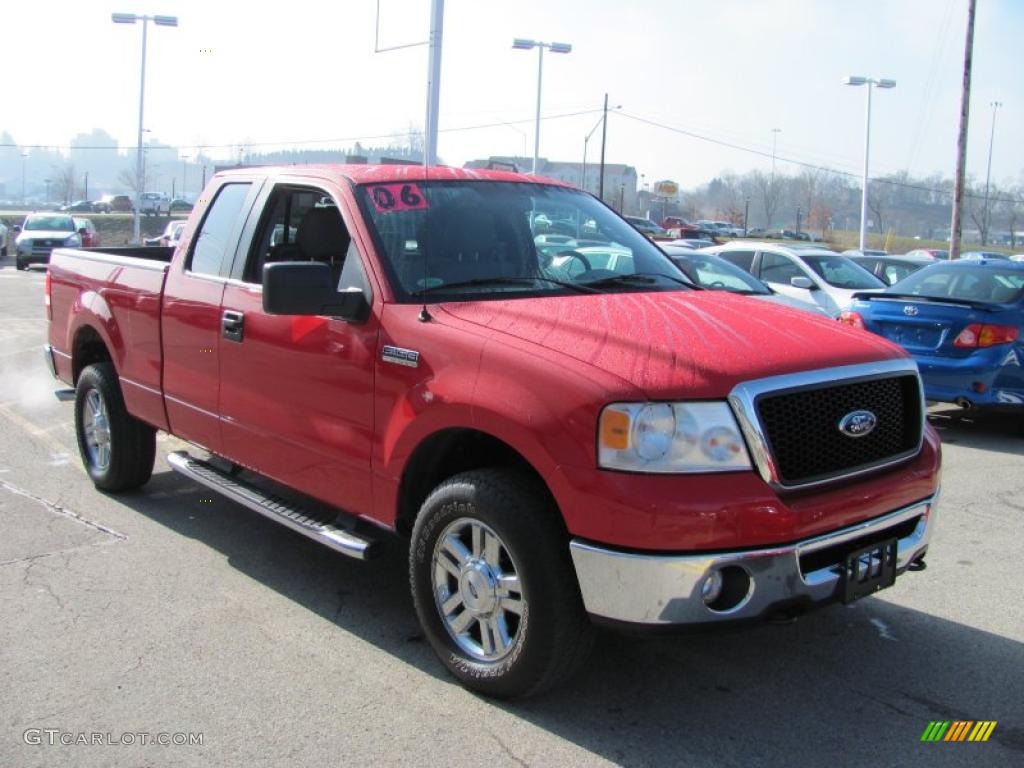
(319, 527)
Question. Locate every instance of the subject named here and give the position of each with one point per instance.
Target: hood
(46, 234)
(678, 344)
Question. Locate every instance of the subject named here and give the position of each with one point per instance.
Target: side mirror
(17, 229)
(83, 231)
(307, 288)
(802, 282)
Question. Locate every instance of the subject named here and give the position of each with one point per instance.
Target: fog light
(711, 589)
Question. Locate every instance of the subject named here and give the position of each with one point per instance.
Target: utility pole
(961, 141)
(604, 136)
(988, 173)
(433, 82)
(85, 195)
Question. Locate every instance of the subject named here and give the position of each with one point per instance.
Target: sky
(305, 74)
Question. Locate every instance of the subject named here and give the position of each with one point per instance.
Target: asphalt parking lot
(171, 611)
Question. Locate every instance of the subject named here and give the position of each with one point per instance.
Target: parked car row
(153, 204)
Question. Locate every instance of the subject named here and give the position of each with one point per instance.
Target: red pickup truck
(566, 438)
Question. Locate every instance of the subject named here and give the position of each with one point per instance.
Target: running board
(286, 512)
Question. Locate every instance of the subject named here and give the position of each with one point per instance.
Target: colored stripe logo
(959, 730)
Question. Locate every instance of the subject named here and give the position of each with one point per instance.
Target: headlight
(72, 240)
(670, 437)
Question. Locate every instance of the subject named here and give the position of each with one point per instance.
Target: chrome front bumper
(666, 589)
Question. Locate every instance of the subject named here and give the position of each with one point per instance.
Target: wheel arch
(449, 452)
(88, 346)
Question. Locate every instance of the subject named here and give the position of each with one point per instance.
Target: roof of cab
(387, 174)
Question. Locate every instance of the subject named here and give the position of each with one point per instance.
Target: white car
(808, 273)
(714, 273)
(155, 204)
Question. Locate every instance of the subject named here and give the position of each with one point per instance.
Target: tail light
(46, 296)
(853, 319)
(978, 335)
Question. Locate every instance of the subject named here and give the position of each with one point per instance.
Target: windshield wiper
(637, 278)
(500, 280)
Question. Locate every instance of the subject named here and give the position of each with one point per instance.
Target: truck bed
(118, 292)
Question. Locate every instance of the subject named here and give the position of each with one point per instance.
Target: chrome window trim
(743, 399)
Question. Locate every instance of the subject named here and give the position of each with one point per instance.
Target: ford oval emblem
(858, 423)
(910, 309)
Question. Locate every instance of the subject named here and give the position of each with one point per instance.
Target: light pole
(184, 174)
(583, 169)
(775, 139)
(746, 210)
(161, 21)
(525, 45)
(988, 173)
(871, 83)
(24, 157)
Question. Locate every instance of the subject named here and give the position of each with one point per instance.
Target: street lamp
(746, 210)
(583, 169)
(775, 138)
(525, 45)
(871, 83)
(160, 21)
(184, 174)
(988, 173)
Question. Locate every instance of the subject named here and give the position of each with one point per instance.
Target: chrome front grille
(792, 422)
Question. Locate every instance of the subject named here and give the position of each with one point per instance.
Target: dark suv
(114, 203)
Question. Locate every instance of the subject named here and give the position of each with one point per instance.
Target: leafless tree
(64, 182)
(768, 190)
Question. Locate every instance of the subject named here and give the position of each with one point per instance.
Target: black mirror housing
(307, 288)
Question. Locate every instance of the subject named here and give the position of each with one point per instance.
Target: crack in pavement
(60, 509)
(504, 748)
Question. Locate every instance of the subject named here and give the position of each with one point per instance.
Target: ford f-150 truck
(565, 439)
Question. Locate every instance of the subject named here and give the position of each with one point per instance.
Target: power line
(803, 163)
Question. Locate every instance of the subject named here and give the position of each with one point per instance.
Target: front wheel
(117, 449)
(494, 585)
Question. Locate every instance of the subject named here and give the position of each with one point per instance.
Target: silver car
(41, 233)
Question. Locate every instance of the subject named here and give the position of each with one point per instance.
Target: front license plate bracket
(869, 569)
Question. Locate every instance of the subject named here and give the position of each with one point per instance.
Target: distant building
(620, 181)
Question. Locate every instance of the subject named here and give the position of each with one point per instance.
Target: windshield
(840, 272)
(488, 239)
(990, 285)
(717, 274)
(50, 223)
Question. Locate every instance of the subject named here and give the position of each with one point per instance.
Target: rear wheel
(494, 586)
(117, 449)
(19, 264)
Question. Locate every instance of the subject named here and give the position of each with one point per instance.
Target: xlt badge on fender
(858, 423)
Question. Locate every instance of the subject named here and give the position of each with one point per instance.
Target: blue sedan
(961, 321)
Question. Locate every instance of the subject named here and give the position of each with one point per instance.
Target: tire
(19, 264)
(3, 252)
(516, 585)
(117, 449)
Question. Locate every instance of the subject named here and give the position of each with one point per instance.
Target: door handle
(232, 325)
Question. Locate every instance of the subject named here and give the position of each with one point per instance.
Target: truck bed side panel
(119, 298)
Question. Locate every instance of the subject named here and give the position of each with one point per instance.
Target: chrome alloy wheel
(477, 590)
(96, 426)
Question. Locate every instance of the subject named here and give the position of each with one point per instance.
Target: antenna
(424, 315)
